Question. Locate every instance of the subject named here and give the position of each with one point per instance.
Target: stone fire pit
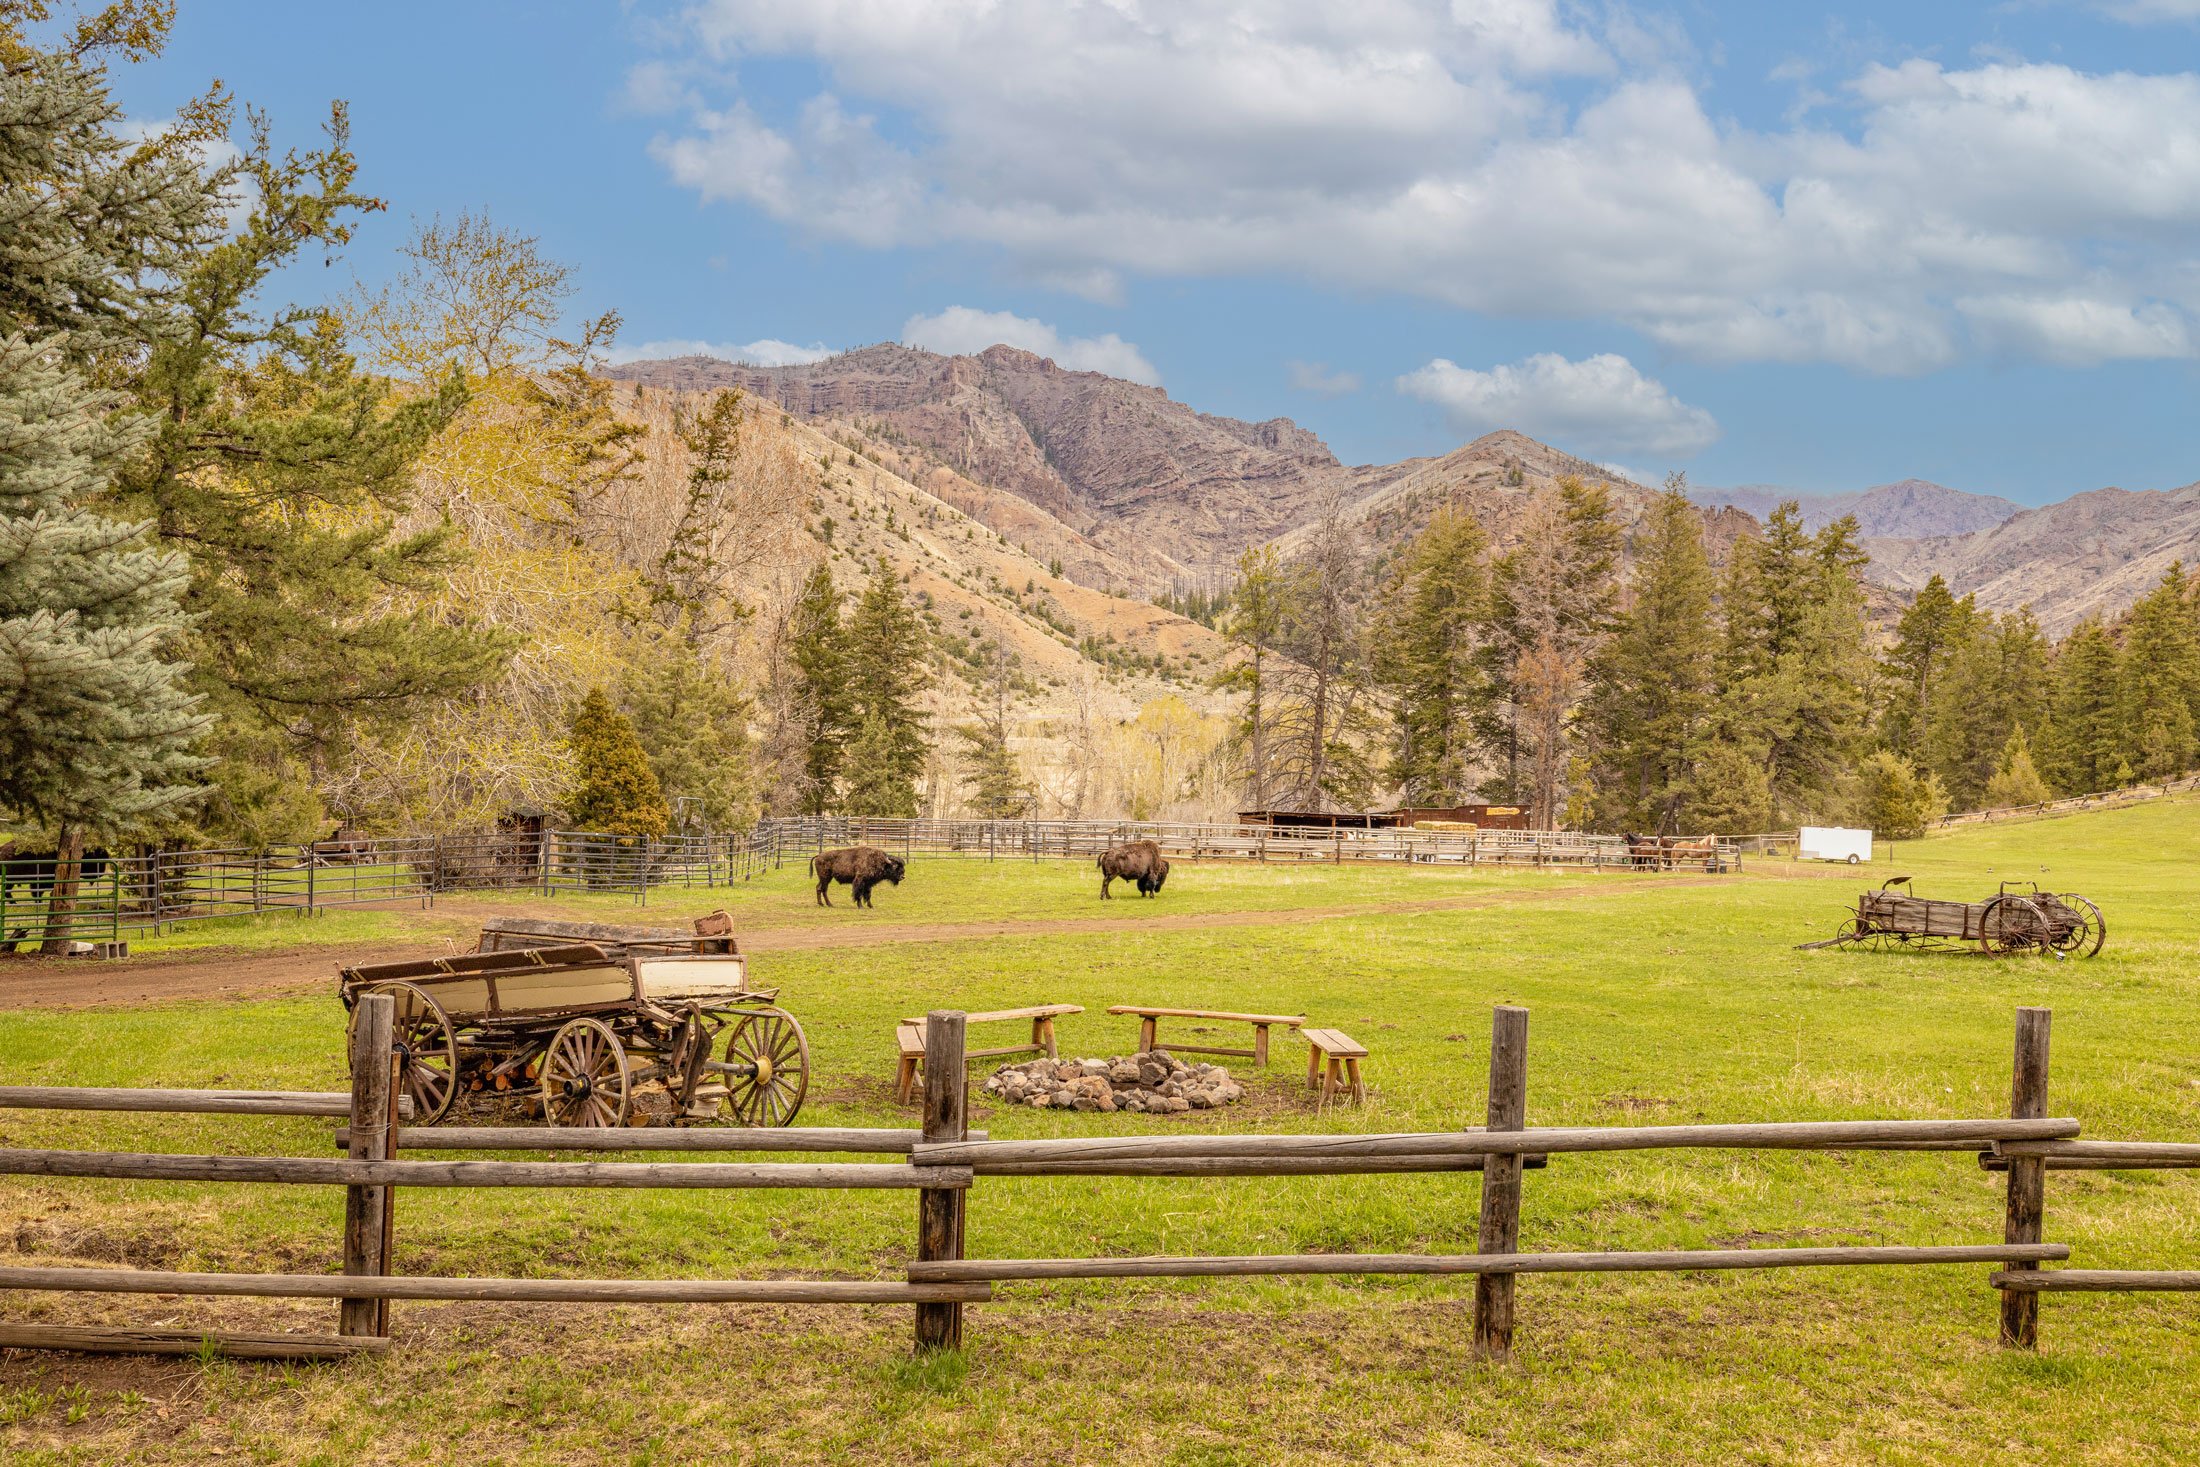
(1155, 1082)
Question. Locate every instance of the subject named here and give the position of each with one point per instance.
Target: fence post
(939, 1211)
(366, 1209)
(2020, 1308)
(1493, 1292)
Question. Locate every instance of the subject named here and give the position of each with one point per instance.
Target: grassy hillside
(1650, 1002)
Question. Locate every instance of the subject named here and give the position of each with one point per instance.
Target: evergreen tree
(1894, 800)
(615, 792)
(1322, 720)
(1651, 683)
(692, 721)
(1994, 685)
(824, 708)
(1932, 628)
(993, 781)
(2016, 781)
(1252, 625)
(2082, 746)
(888, 669)
(2160, 702)
(1427, 660)
(1728, 791)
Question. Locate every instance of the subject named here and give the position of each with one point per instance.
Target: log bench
(1149, 1023)
(1343, 1054)
(909, 1039)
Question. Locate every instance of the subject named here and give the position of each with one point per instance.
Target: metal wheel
(2012, 924)
(767, 1068)
(2086, 937)
(584, 1076)
(427, 1050)
(1852, 933)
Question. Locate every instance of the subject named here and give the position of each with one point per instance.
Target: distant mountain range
(1126, 489)
(1913, 509)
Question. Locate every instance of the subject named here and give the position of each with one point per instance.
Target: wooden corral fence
(793, 838)
(2106, 799)
(941, 1161)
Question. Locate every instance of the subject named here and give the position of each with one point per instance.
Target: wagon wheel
(427, 1050)
(2091, 927)
(2011, 924)
(768, 1068)
(584, 1076)
(1852, 933)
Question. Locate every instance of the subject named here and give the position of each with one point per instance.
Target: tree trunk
(68, 862)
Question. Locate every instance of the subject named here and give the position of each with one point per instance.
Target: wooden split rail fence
(941, 1161)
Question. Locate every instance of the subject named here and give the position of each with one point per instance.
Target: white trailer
(1835, 843)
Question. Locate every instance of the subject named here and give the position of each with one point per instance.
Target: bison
(861, 867)
(1139, 862)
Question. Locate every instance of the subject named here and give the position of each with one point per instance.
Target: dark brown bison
(861, 867)
(1139, 862)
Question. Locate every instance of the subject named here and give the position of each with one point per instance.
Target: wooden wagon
(579, 1016)
(2017, 918)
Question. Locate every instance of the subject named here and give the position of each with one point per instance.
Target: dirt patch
(75, 983)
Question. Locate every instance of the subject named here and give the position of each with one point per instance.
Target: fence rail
(942, 1161)
(2105, 799)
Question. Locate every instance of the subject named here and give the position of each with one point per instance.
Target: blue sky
(1823, 247)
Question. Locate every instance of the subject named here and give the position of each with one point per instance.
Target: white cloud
(1315, 378)
(1598, 405)
(1504, 156)
(765, 353)
(962, 331)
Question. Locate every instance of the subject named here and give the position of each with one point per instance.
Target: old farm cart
(2018, 918)
(579, 1016)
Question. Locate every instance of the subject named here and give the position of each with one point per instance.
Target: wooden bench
(1149, 1025)
(1344, 1056)
(909, 1039)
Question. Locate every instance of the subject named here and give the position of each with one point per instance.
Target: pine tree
(996, 786)
(2017, 781)
(1252, 626)
(1322, 720)
(2082, 746)
(1994, 684)
(1728, 791)
(888, 669)
(815, 645)
(95, 725)
(1894, 800)
(1930, 631)
(615, 792)
(1651, 683)
(2160, 702)
(1427, 659)
(692, 721)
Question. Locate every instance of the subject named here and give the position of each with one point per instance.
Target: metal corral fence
(1085, 839)
(2106, 799)
(119, 896)
(945, 1165)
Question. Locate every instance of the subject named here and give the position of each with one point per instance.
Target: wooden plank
(366, 1206)
(182, 1102)
(858, 1140)
(2024, 1206)
(93, 1339)
(1246, 1166)
(1500, 1224)
(313, 1171)
(1203, 1049)
(2130, 1153)
(1036, 1011)
(1746, 1135)
(1000, 1270)
(554, 1291)
(2098, 1280)
(2088, 1164)
(940, 1213)
(1293, 1020)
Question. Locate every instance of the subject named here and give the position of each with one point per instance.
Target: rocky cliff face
(1139, 474)
(2090, 554)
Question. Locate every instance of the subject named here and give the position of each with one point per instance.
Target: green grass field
(1650, 1002)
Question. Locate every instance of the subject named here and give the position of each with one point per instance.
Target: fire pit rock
(1155, 1082)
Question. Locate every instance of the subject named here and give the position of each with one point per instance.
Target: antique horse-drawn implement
(2018, 918)
(582, 1014)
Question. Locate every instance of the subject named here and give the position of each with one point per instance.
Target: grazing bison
(861, 867)
(1139, 862)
